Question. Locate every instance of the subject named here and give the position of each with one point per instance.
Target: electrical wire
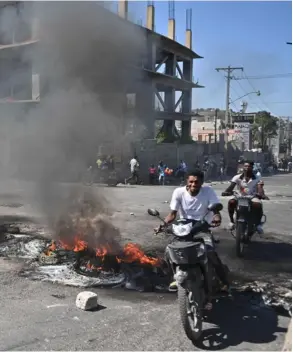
(277, 75)
(261, 99)
(279, 102)
(249, 97)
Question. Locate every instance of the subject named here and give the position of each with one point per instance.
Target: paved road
(43, 316)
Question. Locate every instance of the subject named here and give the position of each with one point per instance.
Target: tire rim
(192, 312)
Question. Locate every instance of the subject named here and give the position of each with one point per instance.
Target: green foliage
(265, 126)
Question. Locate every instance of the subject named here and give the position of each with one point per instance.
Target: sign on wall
(243, 118)
(242, 133)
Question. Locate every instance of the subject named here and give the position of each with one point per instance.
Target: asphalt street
(43, 316)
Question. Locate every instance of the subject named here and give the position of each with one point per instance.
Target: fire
(78, 245)
(51, 248)
(132, 253)
(101, 252)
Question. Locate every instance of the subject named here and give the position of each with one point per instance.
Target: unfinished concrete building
(169, 66)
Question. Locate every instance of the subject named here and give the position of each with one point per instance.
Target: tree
(265, 126)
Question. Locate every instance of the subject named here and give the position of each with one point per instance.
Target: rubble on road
(87, 300)
(272, 295)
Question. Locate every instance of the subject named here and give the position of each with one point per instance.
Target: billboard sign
(243, 117)
(242, 133)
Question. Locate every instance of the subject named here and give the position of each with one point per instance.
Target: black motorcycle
(245, 226)
(187, 258)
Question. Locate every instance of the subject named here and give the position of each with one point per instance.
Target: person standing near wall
(152, 174)
(161, 173)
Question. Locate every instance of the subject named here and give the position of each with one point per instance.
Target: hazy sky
(248, 34)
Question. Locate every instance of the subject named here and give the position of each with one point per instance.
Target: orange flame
(101, 252)
(78, 245)
(131, 252)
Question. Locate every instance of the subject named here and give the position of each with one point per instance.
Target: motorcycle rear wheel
(191, 304)
(240, 233)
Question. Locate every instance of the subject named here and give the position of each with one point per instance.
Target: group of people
(192, 200)
(285, 164)
(162, 172)
(159, 174)
(105, 162)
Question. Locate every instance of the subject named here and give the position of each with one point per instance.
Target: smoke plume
(86, 58)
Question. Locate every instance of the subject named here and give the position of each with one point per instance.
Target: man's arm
(174, 205)
(213, 198)
(170, 217)
(217, 218)
(232, 185)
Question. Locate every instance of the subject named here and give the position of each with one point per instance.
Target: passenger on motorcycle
(191, 202)
(248, 184)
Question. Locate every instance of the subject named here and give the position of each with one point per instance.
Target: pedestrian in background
(161, 173)
(134, 170)
(152, 174)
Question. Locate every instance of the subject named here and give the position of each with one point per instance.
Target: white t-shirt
(244, 187)
(133, 165)
(190, 207)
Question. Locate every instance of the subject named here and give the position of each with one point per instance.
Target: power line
(277, 75)
(263, 102)
(249, 97)
(279, 102)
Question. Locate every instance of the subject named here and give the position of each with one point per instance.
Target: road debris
(87, 300)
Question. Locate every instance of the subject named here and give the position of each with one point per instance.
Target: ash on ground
(130, 276)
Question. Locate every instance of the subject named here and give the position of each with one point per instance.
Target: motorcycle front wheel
(241, 228)
(191, 304)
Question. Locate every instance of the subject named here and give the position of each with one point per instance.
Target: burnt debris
(87, 269)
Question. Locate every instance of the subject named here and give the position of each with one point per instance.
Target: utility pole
(215, 124)
(229, 71)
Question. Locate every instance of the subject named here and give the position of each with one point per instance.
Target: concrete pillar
(187, 70)
(171, 29)
(186, 101)
(35, 76)
(171, 65)
(188, 39)
(123, 8)
(169, 125)
(35, 27)
(151, 53)
(145, 110)
(35, 84)
(150, 17)
(186, 108)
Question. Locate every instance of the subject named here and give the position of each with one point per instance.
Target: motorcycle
(245, 227)
(187, 258)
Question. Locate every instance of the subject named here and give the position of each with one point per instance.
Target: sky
(249, 34)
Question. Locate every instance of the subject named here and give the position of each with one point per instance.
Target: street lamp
(257, 93)
(289, 43)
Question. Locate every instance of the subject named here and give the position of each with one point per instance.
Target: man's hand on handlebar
(227, 194)
(159, 229)
(217, 220)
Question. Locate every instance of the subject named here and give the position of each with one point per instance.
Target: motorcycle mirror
(215, 207)
(153, 212)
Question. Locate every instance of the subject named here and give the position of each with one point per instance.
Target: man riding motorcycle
(192, 201)
(248, 184)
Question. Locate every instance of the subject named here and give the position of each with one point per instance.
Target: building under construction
(169, 65)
